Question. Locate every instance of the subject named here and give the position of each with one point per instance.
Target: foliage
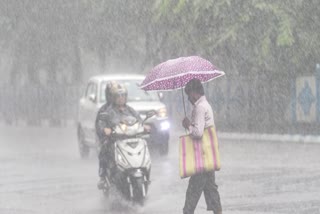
(249, 37)
(246, 36)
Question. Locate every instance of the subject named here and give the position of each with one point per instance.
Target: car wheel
(83, 148)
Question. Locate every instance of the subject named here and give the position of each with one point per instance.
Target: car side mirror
(92, 98)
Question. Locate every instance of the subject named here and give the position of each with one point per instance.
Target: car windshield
(134, 92)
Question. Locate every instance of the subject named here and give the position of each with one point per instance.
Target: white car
(142, 101)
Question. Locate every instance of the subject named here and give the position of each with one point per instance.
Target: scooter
(130, 174)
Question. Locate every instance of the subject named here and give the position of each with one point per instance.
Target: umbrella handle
(184, 107)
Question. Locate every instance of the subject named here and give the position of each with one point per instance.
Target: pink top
(201, 118)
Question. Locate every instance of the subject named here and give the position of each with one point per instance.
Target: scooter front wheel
(139, 190)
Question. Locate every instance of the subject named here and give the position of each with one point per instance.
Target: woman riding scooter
(108, 116)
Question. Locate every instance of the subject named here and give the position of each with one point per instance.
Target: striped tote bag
(199, 155)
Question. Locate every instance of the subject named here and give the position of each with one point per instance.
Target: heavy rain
(56, 57)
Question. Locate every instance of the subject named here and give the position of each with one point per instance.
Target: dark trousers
(106, 158)
(202, 182)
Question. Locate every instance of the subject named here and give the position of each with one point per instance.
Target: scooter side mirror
(150, 114)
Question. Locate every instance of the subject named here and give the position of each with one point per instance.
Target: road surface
(41, 172)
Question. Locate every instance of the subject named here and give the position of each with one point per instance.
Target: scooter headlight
(130, 130)
(135, 126)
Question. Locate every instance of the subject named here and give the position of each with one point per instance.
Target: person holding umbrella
(189, 73)
(202, 117)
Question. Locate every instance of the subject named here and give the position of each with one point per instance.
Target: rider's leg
(102, 166)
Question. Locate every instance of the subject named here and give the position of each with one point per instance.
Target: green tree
(251, 36)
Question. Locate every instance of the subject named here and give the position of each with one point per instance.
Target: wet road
(41, 172)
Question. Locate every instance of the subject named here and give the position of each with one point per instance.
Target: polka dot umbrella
(176, 73)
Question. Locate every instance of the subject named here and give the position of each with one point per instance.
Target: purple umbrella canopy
(176, 73)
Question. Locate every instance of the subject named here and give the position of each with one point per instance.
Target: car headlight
(162, 112)
(165, 125)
